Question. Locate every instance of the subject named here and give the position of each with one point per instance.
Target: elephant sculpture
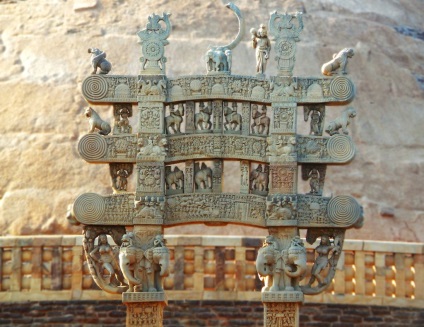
(203, 177)
(281, 268)
(144, 269)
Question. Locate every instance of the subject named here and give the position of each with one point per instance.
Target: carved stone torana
(153, 40)
(188, 128)
(122, 112)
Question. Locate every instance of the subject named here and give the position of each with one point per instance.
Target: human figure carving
(259, 179)
(121, 180)
(341, 122)
(98, 61)
(338, 63)
(324, 250)
(123, 122)
(314, 181)
(262, 44)
(96, 122)
(232, 118)
(202, 119)
(260, 120)
(104, 256)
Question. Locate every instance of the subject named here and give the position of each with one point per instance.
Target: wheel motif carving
(343, 210)
(341, 148)
(94, 87)
(342, 88)
(153, 50)
(89, 208)
(92, 147)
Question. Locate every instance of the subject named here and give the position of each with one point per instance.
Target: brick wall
(203, 313)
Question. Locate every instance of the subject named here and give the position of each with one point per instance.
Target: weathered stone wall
(43, 60)
(203, 313)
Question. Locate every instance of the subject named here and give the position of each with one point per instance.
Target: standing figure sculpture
(314, 181)
(324, 250)
(104, 256)
(262, 44)
(98, 61)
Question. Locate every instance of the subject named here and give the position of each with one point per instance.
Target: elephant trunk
(300, 269)
(126, 260)
(161, 257)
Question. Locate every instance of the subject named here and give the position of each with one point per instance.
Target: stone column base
(144, 308)
(281, 309)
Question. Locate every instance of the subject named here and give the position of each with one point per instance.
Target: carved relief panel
(283, 178)
(151, 117)
(150, 178)
(122, 112)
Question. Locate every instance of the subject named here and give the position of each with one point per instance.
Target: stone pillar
(144, 309)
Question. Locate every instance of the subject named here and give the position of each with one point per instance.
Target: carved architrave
(284, 118)
(119, 173)
(96, 148)
(150, 178)
(283, 178)
(336, 149)
(122, 112)
(151, 117)
(222, 146)
(222, 208)
(111, 88)
(315, 174)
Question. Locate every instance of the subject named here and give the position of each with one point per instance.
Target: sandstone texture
(44, 59)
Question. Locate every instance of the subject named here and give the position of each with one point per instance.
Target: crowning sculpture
(186, 129)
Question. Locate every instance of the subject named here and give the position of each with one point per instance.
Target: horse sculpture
(203, 177)
(259, 180)
(202, 120)
(232, 118)
(260, 121)
(174, 120)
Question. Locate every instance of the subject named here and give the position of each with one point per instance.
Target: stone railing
(210, 268)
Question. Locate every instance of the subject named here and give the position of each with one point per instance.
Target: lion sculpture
(96, 122)
(98, 61)
(341, 122)
(338, 63)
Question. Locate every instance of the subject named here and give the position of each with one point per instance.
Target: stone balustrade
(44, 268)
